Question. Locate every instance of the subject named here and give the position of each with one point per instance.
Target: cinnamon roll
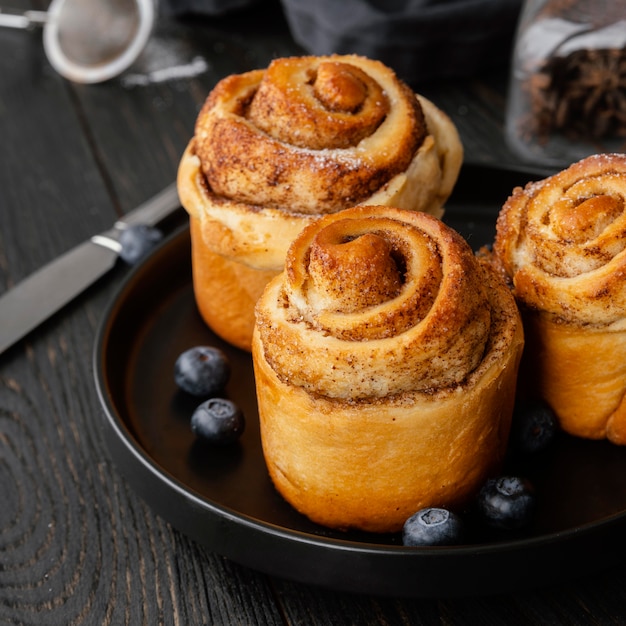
(561, 242)
(385, 358)
(273, 149)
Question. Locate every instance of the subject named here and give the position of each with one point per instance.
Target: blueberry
(218, 420)
(433, 527)
(506, 503)
(533, 428)
(137, 241)
(202, 371)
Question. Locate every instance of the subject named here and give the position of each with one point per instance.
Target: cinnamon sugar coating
(562, 242)
(416, 316)
(315, 134)
(385, 359)
(324, 105)
(273, 149)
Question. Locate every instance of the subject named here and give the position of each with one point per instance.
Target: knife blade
(46, 291)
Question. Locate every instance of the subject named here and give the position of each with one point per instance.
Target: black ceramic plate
(224, 499)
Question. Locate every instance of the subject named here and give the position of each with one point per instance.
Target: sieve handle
(26, 20)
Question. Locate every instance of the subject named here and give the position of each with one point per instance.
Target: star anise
(582, 95)
(579, 89)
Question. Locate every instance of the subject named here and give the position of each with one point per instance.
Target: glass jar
(567, 92)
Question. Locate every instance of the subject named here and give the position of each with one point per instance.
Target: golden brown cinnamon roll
(273, 149)
(386, 359)
(562, 244)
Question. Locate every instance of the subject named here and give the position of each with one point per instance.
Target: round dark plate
(224, 499)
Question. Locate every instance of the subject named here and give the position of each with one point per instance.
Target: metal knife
(43, 293)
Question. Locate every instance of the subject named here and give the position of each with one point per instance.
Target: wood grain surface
(77, 546)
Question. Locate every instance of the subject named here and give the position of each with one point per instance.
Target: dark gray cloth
(204, 7)
(420, 39)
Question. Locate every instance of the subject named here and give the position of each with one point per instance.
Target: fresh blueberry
(219, 421)
(137, 241)
(202, 371)
(533, 428)
(433, 527)
(506, 502)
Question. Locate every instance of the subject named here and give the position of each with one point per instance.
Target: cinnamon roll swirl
(273, 149)
(561, 242)
(386, 359)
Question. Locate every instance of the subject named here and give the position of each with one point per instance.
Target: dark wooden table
(77, 545)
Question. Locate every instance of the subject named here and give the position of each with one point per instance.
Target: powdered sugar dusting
(164, 59)
(196, 67)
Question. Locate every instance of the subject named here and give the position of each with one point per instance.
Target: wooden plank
(142, 121)
(46, 166)
(76, 545)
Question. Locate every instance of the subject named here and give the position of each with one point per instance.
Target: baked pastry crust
(273, 149)
(561, 242)
(391, 391)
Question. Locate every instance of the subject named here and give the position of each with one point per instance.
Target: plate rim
(119, 436)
